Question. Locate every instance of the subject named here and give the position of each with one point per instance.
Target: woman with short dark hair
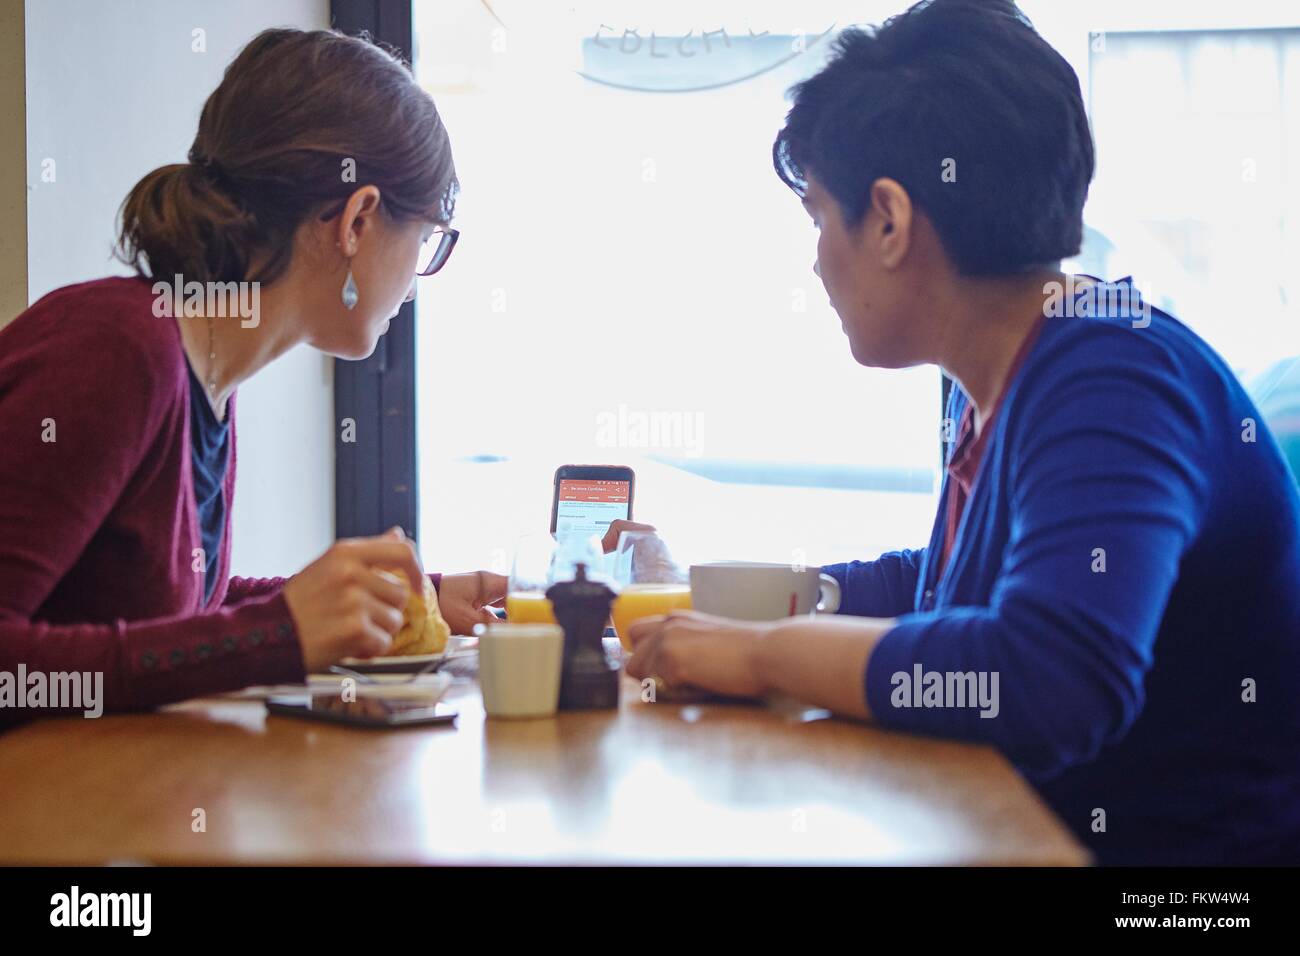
(1116, 554)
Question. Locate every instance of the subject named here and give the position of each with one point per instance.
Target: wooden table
(650, 783)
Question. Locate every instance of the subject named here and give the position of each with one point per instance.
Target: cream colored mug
(750, 591)
(519, 669)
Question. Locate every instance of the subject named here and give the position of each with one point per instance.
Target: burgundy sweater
(98, 524)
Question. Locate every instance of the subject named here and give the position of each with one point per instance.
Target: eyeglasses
(434, 251)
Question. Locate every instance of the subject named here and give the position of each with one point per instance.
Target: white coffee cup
(519, 669)
(750, 591)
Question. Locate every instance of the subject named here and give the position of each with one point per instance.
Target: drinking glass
(651, 581)
(530, 576)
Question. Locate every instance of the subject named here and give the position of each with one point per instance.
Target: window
(633, 285)
(1196, 197)
(1194, 113)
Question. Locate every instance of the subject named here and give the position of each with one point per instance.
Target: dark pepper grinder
(588, 679)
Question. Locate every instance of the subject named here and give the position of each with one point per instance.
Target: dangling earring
(350, 294)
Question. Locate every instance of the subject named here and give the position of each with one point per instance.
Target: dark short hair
(966, 80)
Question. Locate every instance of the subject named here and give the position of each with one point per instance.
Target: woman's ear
(358, 219)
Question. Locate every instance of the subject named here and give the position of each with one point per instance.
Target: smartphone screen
(588, 505)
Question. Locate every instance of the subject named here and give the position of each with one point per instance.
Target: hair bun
(183, 219)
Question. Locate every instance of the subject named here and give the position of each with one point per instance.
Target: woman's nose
(817, 268)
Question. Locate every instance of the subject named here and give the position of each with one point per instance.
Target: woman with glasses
(319, 185)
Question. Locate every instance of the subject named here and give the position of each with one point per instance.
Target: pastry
(423, 629)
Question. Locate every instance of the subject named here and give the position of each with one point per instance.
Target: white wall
(13, 160)
(114, 89)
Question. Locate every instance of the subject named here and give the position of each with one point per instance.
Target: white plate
(390, 665)
(427, 687)
(456, 647)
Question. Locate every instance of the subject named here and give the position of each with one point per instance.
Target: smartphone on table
(588, 498)
(362, 712)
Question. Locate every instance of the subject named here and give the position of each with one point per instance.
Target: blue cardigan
(1129, 567)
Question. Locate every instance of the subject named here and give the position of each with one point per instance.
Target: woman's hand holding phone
(465, 599)
(617, 527)
(343, 606)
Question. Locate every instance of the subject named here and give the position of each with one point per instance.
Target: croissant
(423, 629)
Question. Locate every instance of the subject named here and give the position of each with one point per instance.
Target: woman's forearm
(822, 662)
(137, 665)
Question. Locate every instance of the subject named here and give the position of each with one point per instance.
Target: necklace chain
(212, 365)
(212, 360)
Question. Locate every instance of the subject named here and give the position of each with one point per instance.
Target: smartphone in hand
(586, 499)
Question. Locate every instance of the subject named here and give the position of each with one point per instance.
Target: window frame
(375, 472)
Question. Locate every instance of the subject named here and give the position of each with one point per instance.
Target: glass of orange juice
(528, 607)
(541, 561)
(530, 576)
(652, 583)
